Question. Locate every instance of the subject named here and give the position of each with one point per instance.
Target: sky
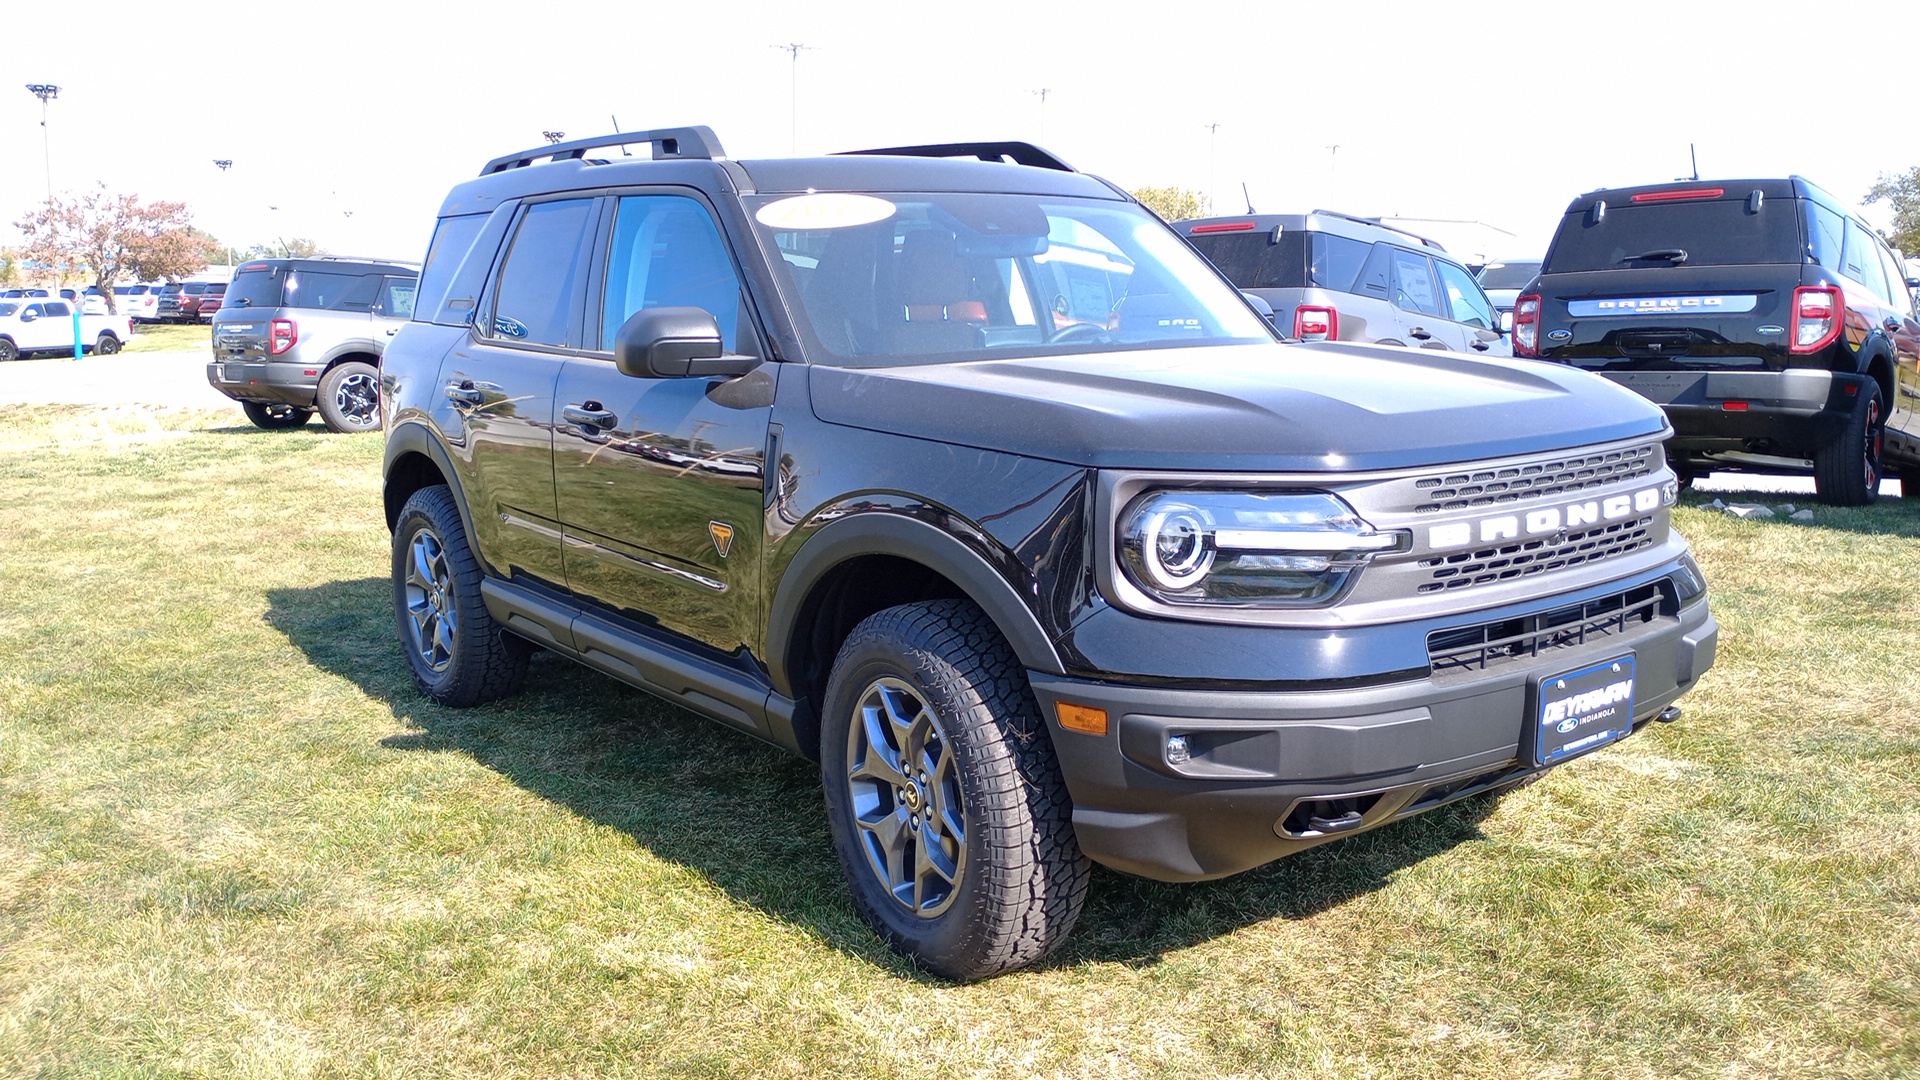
(347, 122)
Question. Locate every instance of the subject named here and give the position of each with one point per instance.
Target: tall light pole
(225, 164)
(1042, 95)
(45, 92)
(553, 136)
(793, 94)
(1213, 134)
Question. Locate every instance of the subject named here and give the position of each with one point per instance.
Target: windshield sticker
(824, 210)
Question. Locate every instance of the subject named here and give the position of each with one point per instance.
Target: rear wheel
(349, 397)
(943, 794)
(459, 655)
(275, 417)
(107, 345)
(1846, 471)
(8, 350)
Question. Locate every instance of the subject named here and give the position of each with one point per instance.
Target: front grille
(1507, 641)
(1532, 479)
(1465, 569)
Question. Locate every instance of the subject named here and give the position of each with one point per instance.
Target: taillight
(1816, 317)
(281, 335)
(1312, 323)
(1526, 325)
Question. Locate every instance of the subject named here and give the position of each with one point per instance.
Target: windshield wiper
(1676, 256)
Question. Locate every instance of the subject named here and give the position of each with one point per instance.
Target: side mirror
(1489, 336)
(675, 343)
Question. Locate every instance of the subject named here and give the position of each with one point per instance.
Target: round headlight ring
(1176, 547)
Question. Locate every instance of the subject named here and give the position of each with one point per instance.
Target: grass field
(235, 843)
(166, 337)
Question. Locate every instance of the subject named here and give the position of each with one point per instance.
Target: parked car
(299, 335)
(29, 325)
(1503, 280)
(210, 301)
(180, 301)
(1331, 276)
(806, 446)
(1769, 320)
(139, 302)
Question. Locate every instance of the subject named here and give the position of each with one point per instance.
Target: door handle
(393, 331)
(591, 414)
(1419, 333)
(465, 393)
(1479, 346)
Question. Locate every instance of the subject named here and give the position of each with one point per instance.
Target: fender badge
(722, 537)
(1560, 335)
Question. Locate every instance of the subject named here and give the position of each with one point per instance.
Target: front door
(658, 481)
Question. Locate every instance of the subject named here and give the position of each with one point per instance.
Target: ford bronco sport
(971, 481)
(1771, 324)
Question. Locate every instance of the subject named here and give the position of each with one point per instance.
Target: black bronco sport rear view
(1774, 327)
(958, 472)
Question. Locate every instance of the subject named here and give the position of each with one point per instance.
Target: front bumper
(262, 381)
(1265, 764)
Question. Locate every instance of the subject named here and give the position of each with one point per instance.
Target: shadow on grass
(750, 817)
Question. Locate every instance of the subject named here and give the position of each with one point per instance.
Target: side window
(1468, 302)
(34, 311)
(59, 308)
(1826, 234)
(667, 252)
(1337, 261)
(1413, 283)
(536, 286)
(1897, 293)
(1861, 263)
(396, 298)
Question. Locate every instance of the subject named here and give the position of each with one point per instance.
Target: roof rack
(1381, 224)
(698, 141)
(1019, 153)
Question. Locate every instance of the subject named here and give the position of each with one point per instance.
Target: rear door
(1420, 309)
(393, 308)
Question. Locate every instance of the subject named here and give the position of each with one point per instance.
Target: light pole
(45, 92)
(553, 136)
(1042, 95)
(1213, 134)
(225, 164)
(793, 94)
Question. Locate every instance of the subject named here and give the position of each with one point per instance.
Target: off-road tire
(458, 654)
(1847, 470)
(1022, 877)
(275, 417)
(349, 397)
(106, 345)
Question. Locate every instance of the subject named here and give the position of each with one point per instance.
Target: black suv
(808, 446)
(1772, 325)
(299, 335)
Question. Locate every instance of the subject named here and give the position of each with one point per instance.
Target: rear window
(1712, 232)
(1507, 275)
(257, 288)
(1257, 259)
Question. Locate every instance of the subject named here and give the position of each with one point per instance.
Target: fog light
(1177, 751)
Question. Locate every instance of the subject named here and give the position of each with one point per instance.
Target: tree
(297, 248)
(110, 238)
(1173, 203)
(1902, 192)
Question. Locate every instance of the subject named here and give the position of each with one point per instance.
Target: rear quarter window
(452, 238)
(1713, 232)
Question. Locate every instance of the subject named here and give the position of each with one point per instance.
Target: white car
(139, 302)
(30, 325)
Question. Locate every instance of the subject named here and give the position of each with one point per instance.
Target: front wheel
(943, 794)
(459, 655)
(349, 397)
(1846, 471)
(274, 417)
(107, 345)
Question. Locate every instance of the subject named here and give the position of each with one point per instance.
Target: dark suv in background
(296, 335)
(971, 481)
(1771, 323)
(182, 301)
(1336, 277)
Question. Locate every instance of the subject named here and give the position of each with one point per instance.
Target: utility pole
(45, 92)
(225, 164)
(1213, 133)
(1333, 155)
(1042, 95)
(793, 94)
(553, 136)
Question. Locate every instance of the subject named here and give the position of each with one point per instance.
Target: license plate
(1582, 710)
(233, 372)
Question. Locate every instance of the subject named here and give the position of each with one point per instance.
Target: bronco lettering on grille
(1545, 522)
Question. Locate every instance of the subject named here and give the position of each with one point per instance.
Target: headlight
(1247, 548)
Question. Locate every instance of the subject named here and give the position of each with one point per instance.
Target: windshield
(1507, 275)
(8, 309)
(917, 278)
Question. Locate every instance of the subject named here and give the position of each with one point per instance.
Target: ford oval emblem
(1566, 726)
(1772, 329)
(1559, 335)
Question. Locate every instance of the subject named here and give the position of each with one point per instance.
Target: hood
(1264, 408)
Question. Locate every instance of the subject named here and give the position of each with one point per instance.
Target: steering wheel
(1084, 331)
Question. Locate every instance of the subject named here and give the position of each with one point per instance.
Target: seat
(935, 286)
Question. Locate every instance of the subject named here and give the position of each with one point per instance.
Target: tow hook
(1669, 714)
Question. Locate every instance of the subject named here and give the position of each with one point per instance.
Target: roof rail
(698, 141)
(1019, 153)
(1381, 224)
(340, 258)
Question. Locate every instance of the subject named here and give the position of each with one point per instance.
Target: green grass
(168, 337)
(235, 842)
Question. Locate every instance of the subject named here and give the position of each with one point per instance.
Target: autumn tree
(1173, 203)
(111, 238)
(1902, 193)
(297, 248)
